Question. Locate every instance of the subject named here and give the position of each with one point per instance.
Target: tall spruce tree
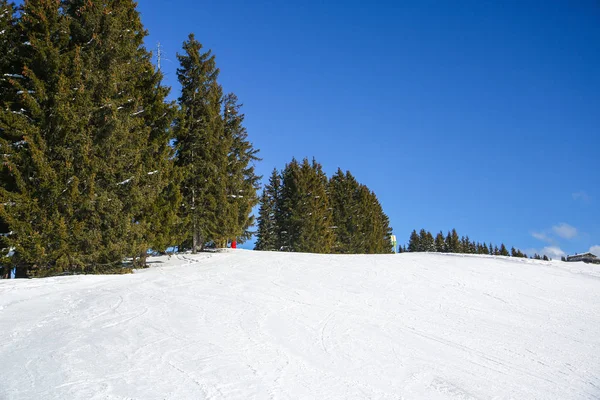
(374, 231)
(9, 70)
(125, 121)
(30, 128)
(440, 245)
(312, 212)
(414, 240)
(93, 152)
(343, 195)
(202, 149)
(241, 181)
(267, 236)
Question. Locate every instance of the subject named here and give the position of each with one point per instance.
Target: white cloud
(565, 231)
(582, 196)
(554, 252)
(595, 250)
(541, 236)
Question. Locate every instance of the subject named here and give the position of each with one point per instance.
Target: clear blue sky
(478, 115)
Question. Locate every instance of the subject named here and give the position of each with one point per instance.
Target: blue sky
(478, 115)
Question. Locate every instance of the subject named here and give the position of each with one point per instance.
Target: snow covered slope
(253, 325)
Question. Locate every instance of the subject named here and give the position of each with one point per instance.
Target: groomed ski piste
(262, 325)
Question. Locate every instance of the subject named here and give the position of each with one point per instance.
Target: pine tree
(312, 213)
(241, 182)
(374, 229)
(454, 245)
(267, 236)
(414, 244)
(440, 245)
(343, 195)
(31, 135)
(201, 146)
(122, 123)
(9, 71)
(360, 224)
(503, 250)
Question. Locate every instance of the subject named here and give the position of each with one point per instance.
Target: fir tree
(454, 245)
(344, 196)
(414, 244)
(201, 146)
(485, 249)
(241, 181)
(440, 244)
(503, 250)
(267, 237)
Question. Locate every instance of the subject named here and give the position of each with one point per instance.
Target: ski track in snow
(259, 325)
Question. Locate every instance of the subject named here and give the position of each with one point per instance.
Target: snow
(262, 325)
(125, 181)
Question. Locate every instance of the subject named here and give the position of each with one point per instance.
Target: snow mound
(259, 325)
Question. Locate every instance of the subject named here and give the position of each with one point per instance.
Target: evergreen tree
(306, 217)
(485, 249)
(241, 181)
(503, 250)
(440, 244)
(344, 196)
(546, 258)
(202, 149)
(454, 245)
(374, 225)
(122, 125)
(414, 244)
(267, 237)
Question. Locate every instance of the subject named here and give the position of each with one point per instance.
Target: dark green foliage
(300, 210)
(268, 232)
(440, 243)
(201, 147)
(305, 220)
(219, 184)
(414, 242)
(88, 176)
(241, 182)
(360, 225)
(424, 242)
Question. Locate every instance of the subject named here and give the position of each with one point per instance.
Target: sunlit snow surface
(259, 325)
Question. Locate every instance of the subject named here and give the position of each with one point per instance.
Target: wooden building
(585, 257)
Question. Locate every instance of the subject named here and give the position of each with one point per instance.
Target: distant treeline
(303, 211)
(453, 243)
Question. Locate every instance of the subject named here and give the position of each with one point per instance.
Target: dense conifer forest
(99, 169)
(302, 210)
(97, 166)
(453, 243)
